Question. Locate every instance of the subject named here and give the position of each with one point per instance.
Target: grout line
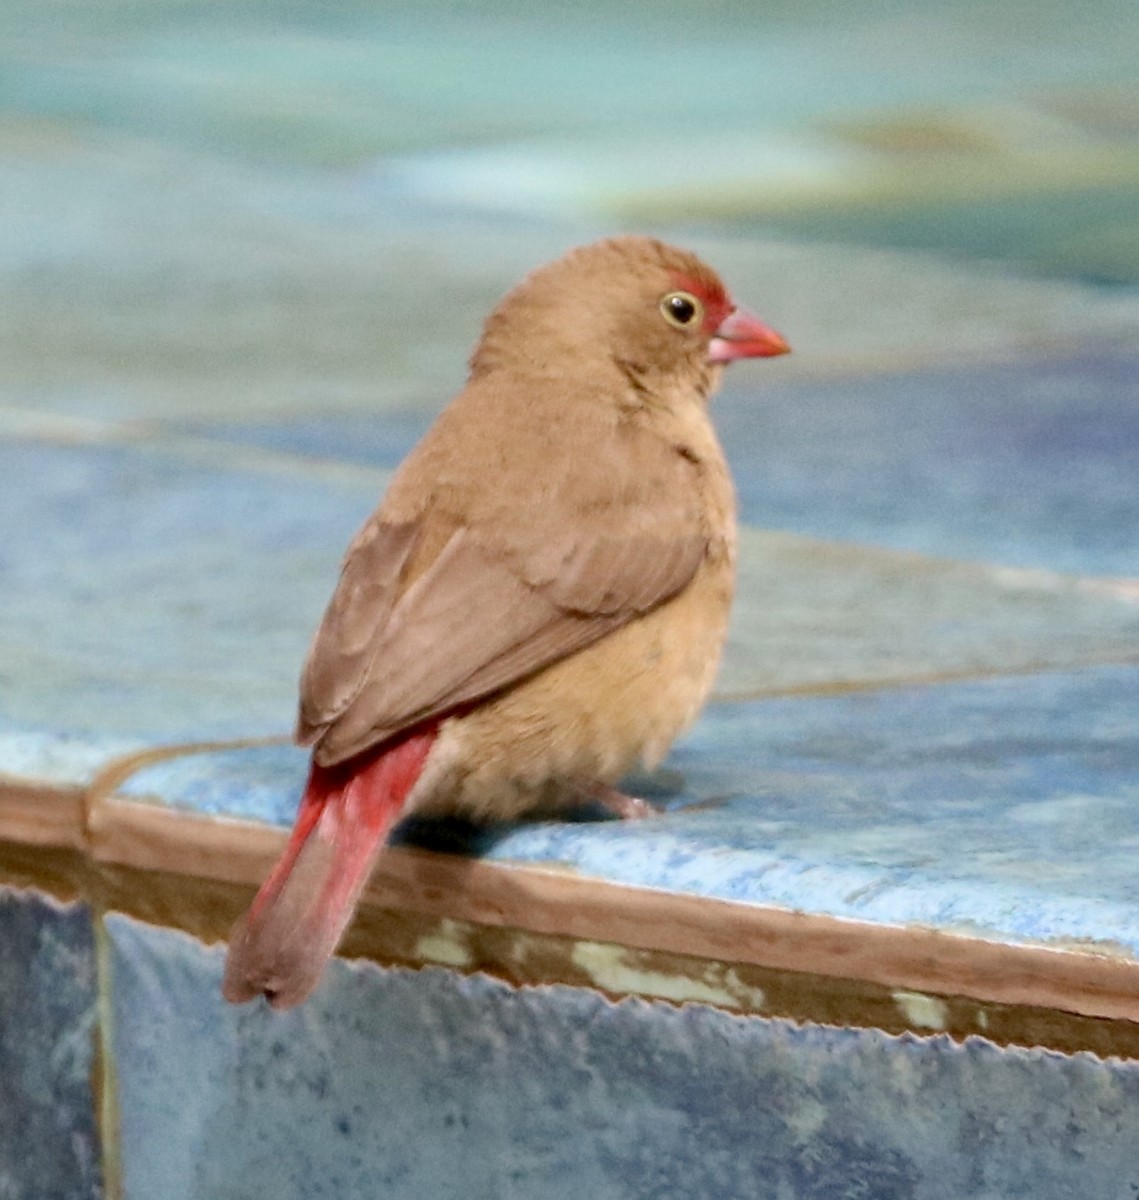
(42, 814)
(1011, 578)
(33, 424)
(97, 811)
(214, 452)
(219, 452)
(926, 679)
(107, 1098)
(118, 770)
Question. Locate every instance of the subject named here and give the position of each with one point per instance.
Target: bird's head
(655, 311)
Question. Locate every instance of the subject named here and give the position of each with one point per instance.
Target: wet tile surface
(1031, 463)
(426, 1083)
(817, 108)
(49, 1144)
(1002, 807)
(143, 599)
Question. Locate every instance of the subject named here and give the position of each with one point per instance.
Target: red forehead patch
(710, 293)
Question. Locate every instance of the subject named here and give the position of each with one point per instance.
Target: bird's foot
(628, 808)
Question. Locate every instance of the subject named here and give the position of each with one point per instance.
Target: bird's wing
(480, 615)
(344, 647)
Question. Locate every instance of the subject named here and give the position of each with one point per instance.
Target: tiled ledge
(840, 844)
(542, 923)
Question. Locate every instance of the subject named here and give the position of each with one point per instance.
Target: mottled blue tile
(1028, 463)
(1004, 806)
(178, 238)
(813, 614)
(260, 783)
(429, 1083)
(154, 595)
(148, 598)
(49, 1142)
(57, 755)
(371, 439)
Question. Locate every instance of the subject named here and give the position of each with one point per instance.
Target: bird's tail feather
(280, 946)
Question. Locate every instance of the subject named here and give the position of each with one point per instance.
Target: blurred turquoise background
(1007, 131)
(212, 208)
(244, 252)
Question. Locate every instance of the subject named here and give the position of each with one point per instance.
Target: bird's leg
(628, 808)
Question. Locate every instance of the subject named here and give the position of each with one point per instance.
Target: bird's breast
(592, 716)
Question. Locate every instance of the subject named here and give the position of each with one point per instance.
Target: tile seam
(106, 1079)
(218, 453)
(921, 679)
(549, 901)
(195, 874)
(545, 900)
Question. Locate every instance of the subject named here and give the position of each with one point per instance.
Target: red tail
(279, 948)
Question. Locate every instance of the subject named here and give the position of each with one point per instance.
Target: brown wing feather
(624, 574)
(344, 647)
(540, 563)
(468, 626)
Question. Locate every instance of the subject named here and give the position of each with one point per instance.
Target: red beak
(743, 335)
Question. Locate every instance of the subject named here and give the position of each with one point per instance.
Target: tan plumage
(550, 573)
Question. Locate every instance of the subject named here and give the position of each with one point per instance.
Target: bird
(540, 602)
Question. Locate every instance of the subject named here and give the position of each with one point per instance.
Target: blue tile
(1030, 463)
(260, 783)
(370, 439)
(459, 76)
(49, 1143)
(151, 597)
(56, 755)
(148, 599)
(514, 100)
(1049, 230)
(415, 1084)
(1004, 807)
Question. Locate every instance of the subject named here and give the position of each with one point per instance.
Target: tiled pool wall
(433, 1082)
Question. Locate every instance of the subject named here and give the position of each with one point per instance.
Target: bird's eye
(682, 309)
